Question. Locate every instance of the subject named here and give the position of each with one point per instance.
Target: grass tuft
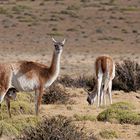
(84, 117)
(108, 134)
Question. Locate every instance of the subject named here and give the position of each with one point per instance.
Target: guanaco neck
(55, 64)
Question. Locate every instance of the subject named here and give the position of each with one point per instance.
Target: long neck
(55, 64)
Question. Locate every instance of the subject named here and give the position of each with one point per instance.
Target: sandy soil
(91, 28)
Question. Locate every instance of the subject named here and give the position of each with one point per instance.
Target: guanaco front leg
(38, 98)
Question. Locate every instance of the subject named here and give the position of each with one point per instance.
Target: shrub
(55, 128)
(127, 76)
(87, 82)
(120, 113)
(55, 94)
(108, 134)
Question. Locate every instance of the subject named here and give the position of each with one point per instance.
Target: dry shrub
(127, 76)
(55, 128)
(55, 94)
(87, 82)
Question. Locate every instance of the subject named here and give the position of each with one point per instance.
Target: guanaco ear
(54, 41)
(63, 42)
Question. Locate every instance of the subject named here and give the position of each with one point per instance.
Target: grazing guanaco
(31, 76)
(105, 73)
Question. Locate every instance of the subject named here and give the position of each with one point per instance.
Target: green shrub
(123, 106)
(120, 114)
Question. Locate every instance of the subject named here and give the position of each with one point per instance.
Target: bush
(55, 128)
(55, 94)
(120, 113)
(127, 76)
(87, 82)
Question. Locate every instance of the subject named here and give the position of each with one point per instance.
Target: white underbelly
(22, 83)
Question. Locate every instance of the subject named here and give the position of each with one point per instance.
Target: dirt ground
(91, 28)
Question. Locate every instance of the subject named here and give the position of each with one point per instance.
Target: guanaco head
(11, 94)
(91, 97)
(58, 45)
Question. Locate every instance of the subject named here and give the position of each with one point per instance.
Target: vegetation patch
(55, 128)
(13, 126)
(84, 117)
(127, 76)
(23, 115)
(120, 113)
(130, 9)
(73, 7)
(87, 82)
(20, 9)
(70, 13)
(3, 10)
(108, 134)
(56, 94)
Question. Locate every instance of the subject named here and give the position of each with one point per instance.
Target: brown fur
(5, 73)
(106, 62)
